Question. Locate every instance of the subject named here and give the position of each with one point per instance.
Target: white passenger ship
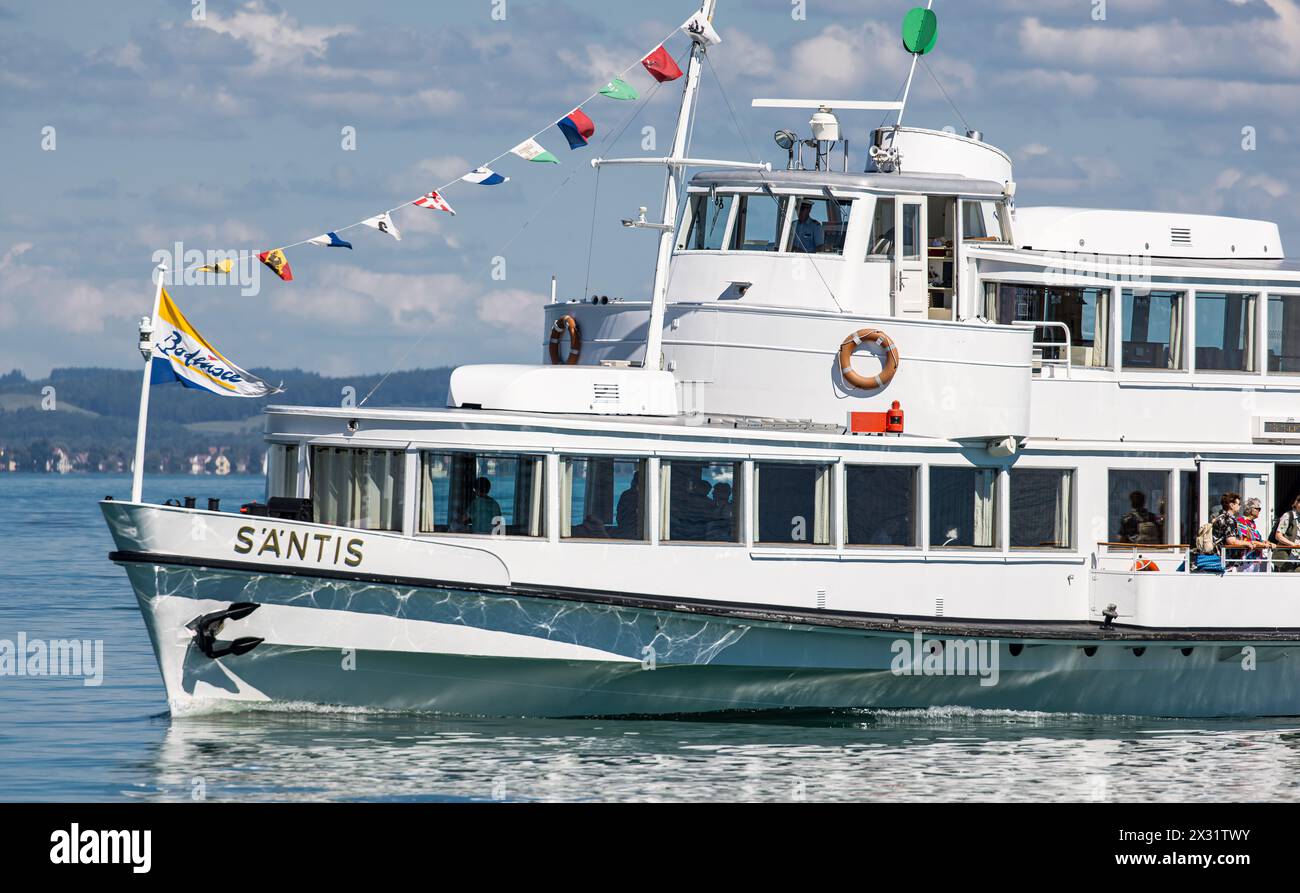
(932, 449)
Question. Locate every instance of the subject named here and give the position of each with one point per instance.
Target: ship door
(910, 297)
(1250, 479)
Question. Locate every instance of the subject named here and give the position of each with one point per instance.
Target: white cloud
(275, 40)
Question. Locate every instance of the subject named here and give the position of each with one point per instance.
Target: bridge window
(1085, 311)
(982, 221)
(709, 217)
(1284, 333)
(358, 488)
(281, 470)
(1225, 332)
(603, 498)
(482, 494)
(881, 502)
(1042, 506)
(1137, 506)
(963, 508)
(1153, 330)
(792, 503)
(759, 222)
(882, 230)
(699, 501)
(822, 229)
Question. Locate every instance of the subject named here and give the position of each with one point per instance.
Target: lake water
(62, 740)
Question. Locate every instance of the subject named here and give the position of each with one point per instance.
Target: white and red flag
(434, 202)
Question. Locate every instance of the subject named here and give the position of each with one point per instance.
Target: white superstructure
(912, 446)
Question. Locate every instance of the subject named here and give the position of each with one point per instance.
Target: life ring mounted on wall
(566, 325)
(890, 359)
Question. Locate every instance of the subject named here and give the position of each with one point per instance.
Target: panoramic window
(1153, 330)
(1086, 311)
(819, 226)
(698, 501)
(603, 498)
(281, 470)
(483, 494)
(880, 502)
(1284, 333)
(792, 503)
(759, 221)
(963, 508)
(1137, 506)
(882, 229)
(1225, 332)
(358, 488)
(708, 229)
(1042, 506)
(981, 221)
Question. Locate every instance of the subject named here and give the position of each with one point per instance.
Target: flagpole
(146, 350)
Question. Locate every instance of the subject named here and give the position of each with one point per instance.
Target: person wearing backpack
(1286, 534)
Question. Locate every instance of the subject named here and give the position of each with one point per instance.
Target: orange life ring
(566, 324)
(885, 343)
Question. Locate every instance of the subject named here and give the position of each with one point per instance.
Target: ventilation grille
(938, 607)
(821, 599)
(604, 394)
(1180, 235)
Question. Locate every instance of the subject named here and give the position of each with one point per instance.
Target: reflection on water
(936, 755)
(61, 740)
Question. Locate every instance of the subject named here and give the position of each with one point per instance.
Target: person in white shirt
(808, 234)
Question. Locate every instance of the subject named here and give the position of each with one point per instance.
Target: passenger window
(1225, 332)
(881, 505)
(281, 470)
(1153, 330)
(1042, 506)
(792, 503)
(1284, 333)
(1137, 507)
(759, 222)
(1086, 311)
(709, 216)
(698, 502)
(358, 488)
(603, 498)
(819, 226)
(882, 230)
(963, 508)
(482, 493)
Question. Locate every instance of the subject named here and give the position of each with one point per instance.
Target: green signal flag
(920, 30)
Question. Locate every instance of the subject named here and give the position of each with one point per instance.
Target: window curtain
(1101, 329)
(1061, 526)
(665, 500)
(358, 488)
(1177, 330)
(566, 497)
(427, 496)
(822, 508)
(281, 471)
(1249, 305)
(985, 504)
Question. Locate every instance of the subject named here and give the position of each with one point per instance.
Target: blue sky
(225, 134)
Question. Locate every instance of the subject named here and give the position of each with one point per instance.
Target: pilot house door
(909, 257)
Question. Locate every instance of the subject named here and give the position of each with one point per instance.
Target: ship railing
(1051, 354)
(1167, 558)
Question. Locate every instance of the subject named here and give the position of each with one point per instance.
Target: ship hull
(338, 643)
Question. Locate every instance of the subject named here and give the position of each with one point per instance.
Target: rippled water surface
(62, 740)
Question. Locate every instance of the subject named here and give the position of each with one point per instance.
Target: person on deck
(1256, 556)
(1287, 535)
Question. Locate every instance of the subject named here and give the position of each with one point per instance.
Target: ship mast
(672, 188)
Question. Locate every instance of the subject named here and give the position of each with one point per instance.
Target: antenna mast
(920, 30)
